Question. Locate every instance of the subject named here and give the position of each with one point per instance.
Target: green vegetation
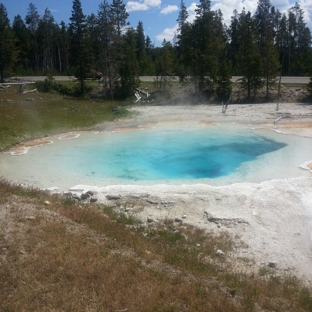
(258, 47)
(64, 255)
(24, 116)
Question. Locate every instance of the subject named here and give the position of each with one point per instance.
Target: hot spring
(216, 156)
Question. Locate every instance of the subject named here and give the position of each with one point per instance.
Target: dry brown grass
(66, 257)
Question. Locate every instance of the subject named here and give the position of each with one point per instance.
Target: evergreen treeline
(257, 47)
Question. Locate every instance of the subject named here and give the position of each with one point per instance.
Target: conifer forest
(258, 47)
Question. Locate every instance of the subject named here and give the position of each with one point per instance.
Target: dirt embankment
(288, 94)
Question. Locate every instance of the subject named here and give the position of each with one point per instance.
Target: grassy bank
(23, 116)
(60, 255)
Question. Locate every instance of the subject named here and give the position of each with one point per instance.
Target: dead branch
(30, 91)
(4, 88)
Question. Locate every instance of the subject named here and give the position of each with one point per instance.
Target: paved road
(295, 80)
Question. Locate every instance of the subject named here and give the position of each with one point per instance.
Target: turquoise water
(214, 155)
(165, 154)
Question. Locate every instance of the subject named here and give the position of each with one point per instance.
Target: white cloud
(306, 5)
(169, 9)
(53, 10)
(167, 34)
(142, 6)
(153, 3)
(191, 12)
(228, 6)
(136, 6)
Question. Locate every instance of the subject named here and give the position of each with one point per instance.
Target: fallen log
(30, 91)
(4, 88)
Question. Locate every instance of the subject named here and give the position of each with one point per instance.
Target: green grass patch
(23, 116)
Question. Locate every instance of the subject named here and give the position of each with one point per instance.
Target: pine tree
(92, 41)
(249, 59)
(263, 19)
(183, 15)
(205, 47)
(7, 43)
(203, 8)
(269, 54)
(78, 48)
(224, 84)
(299, 50)
(46, 35)
(140, 47)
(270, 62)
(150, 63)
(63, 47)
(234, 36)
(119, 16)
(32, 20)
(129, 67)
(165, 65)
(107, 61)
(181, 40)
(22, 43)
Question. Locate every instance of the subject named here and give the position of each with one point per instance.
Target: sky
(159, 17)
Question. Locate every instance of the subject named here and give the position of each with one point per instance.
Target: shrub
(309, 88)
(46, 85)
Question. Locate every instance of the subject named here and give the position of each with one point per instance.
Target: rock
(150, 220)
(47, 202)
(184, 216)
(272, 264)
(127, 209)
(177, 220)
(93, 200)
(113, 197)
(154, 202)
(52, 188)
(220, 253)
(84, 196)
(228, 221)
(90, 193)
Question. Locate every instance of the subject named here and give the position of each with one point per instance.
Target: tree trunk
(60, 60)
(1, 74)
